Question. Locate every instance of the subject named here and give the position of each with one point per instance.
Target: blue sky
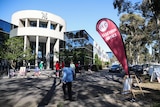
(78, 14)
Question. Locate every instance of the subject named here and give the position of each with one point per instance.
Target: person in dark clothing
(77, 68)
(67, 80)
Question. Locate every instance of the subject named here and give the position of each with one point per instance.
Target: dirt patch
(151, 91)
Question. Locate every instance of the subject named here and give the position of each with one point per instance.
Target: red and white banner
(111, 35)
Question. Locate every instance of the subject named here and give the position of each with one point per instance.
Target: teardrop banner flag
(111, 35)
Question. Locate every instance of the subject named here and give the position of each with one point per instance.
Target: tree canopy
(14, 50)
(139, 23)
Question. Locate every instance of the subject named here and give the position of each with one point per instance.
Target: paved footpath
(90, 89)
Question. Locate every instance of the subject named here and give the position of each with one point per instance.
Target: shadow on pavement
(93, 92)
(47, 98)
(25, 91)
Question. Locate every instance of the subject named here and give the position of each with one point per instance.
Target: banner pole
(110, 33)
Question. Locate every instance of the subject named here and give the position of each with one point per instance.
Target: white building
(102, 55)
(42, 31)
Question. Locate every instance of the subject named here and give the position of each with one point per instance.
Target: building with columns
(45, 33)
(42, 31)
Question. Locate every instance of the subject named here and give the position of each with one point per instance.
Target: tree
(132, 25)
(4, 37)
(126, 6)
(149, 9)
(14, 51)
(98, 62)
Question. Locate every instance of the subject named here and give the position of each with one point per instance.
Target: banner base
(128, 83)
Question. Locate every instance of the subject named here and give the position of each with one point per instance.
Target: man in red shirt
(57, 68)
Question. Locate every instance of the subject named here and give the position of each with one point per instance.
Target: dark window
(23, 23)
(60, 28)
(43, 24)
(5, 26)
(33, 23)
(53, 26)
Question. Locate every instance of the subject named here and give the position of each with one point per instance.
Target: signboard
(112, 37)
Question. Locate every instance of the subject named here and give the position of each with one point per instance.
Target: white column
(56, 50)
(25, 42)
(37, 22)
(48, 53)
(26, 22)
(49, 25)
(24, 48)
(37, 45)
(57, 28)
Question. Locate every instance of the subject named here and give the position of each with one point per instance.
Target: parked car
(145, 68)
(130, 67)
(137, 69)
(115, 68)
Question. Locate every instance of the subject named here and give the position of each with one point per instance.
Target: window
(33, 23)
(53, 26)
(5, 26)
(22, 23)
(60, 28)
(43, 24)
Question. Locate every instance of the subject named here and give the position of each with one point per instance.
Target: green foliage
(14, 50)
(28, 54)
(98, 62)
(132, 25)
(2, 44)
(107, 63)
(140, 25)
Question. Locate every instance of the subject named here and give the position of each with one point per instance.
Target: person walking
(41, 65)
(61, 67)
(67, 80)
(37, 71)
(57, 68)
(72, 65)
(77, 68)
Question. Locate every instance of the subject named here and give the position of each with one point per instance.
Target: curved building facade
(42, 31)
